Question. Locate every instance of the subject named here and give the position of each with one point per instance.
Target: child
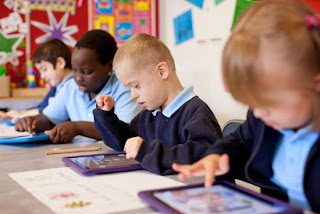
(271, 63)
(92, 71)
(53, 60)
(175, 125)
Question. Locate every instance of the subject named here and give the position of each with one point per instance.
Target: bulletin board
(124, 18)
(314, 4)
(25, 24)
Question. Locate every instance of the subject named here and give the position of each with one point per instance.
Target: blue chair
(231, 126)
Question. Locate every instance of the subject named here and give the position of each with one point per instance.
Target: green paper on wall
(218, 1)
(7, 44)
(241, 5)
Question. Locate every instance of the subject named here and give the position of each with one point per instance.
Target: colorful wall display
(183, 28)
(123, 18)
(20, 18)
(54, 5)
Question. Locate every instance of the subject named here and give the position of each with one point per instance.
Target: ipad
(8, 121)
(102, 163)
(223, 197)
(25, 138)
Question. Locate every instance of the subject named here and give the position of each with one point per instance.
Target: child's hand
(209, 166)
(28, 124)
(132, 147)
(105, 102)
(13, 114)
(63, 132)
(3, 114)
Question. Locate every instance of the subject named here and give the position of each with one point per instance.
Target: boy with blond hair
(175, 124)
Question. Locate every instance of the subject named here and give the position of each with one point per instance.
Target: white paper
(61, 188)
(9, 131)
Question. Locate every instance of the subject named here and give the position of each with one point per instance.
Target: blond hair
(281, 22)
(142, 51)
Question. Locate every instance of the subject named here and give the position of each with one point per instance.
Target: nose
(134, 95)
(42, 75)
(78, 78)
(259, 113)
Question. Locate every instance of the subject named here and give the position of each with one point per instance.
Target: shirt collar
(186, 95)
(59, 86)
(301, 131)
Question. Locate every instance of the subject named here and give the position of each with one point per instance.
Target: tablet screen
(216, 199)
(102, 161)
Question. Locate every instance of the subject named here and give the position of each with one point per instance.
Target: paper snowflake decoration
(56, 30)
(8, 48)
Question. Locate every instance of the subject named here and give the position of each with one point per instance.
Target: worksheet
(65, 191)
(9, 131)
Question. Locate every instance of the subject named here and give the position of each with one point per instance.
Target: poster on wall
(25, 24)
(123, 18)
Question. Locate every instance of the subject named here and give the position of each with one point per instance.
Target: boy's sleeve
(114, 132)
(199, 133)
(56, 111)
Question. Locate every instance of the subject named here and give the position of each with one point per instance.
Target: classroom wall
(198, 60)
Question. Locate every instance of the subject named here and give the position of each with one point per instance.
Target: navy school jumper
(251, 149)
(183, 138)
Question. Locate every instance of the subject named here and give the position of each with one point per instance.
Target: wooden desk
(24, 98)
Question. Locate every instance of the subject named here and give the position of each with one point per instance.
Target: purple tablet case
(161, 206)
(129, 166)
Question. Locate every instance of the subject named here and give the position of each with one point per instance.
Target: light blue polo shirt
(185, 95)
(289, 163)
(60, 85)
(75, 105)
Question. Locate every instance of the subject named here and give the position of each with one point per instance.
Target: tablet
(25, 138)
(102, 163)
(223, 197)
(8, 121)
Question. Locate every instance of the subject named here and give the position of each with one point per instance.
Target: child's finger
(52, 133)
(210, 170)
(33, 124)
(224, 164)
(99, 101)
(57, 138)
(128, 144)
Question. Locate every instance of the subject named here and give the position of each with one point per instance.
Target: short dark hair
(100, 41)
(50, 50)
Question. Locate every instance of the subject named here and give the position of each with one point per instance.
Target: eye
(136, 86)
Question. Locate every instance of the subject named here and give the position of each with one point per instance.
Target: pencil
(61, 151)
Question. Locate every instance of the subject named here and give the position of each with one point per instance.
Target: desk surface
(28, 157)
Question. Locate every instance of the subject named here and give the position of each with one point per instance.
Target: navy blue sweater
(183, 138)
(251, 149)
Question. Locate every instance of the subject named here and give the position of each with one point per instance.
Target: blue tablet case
(25, 139)
(7, 121)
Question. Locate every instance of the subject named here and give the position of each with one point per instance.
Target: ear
(163, 70)
(316, 81)
(108, 67)
(226, 88)
(61, 63)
